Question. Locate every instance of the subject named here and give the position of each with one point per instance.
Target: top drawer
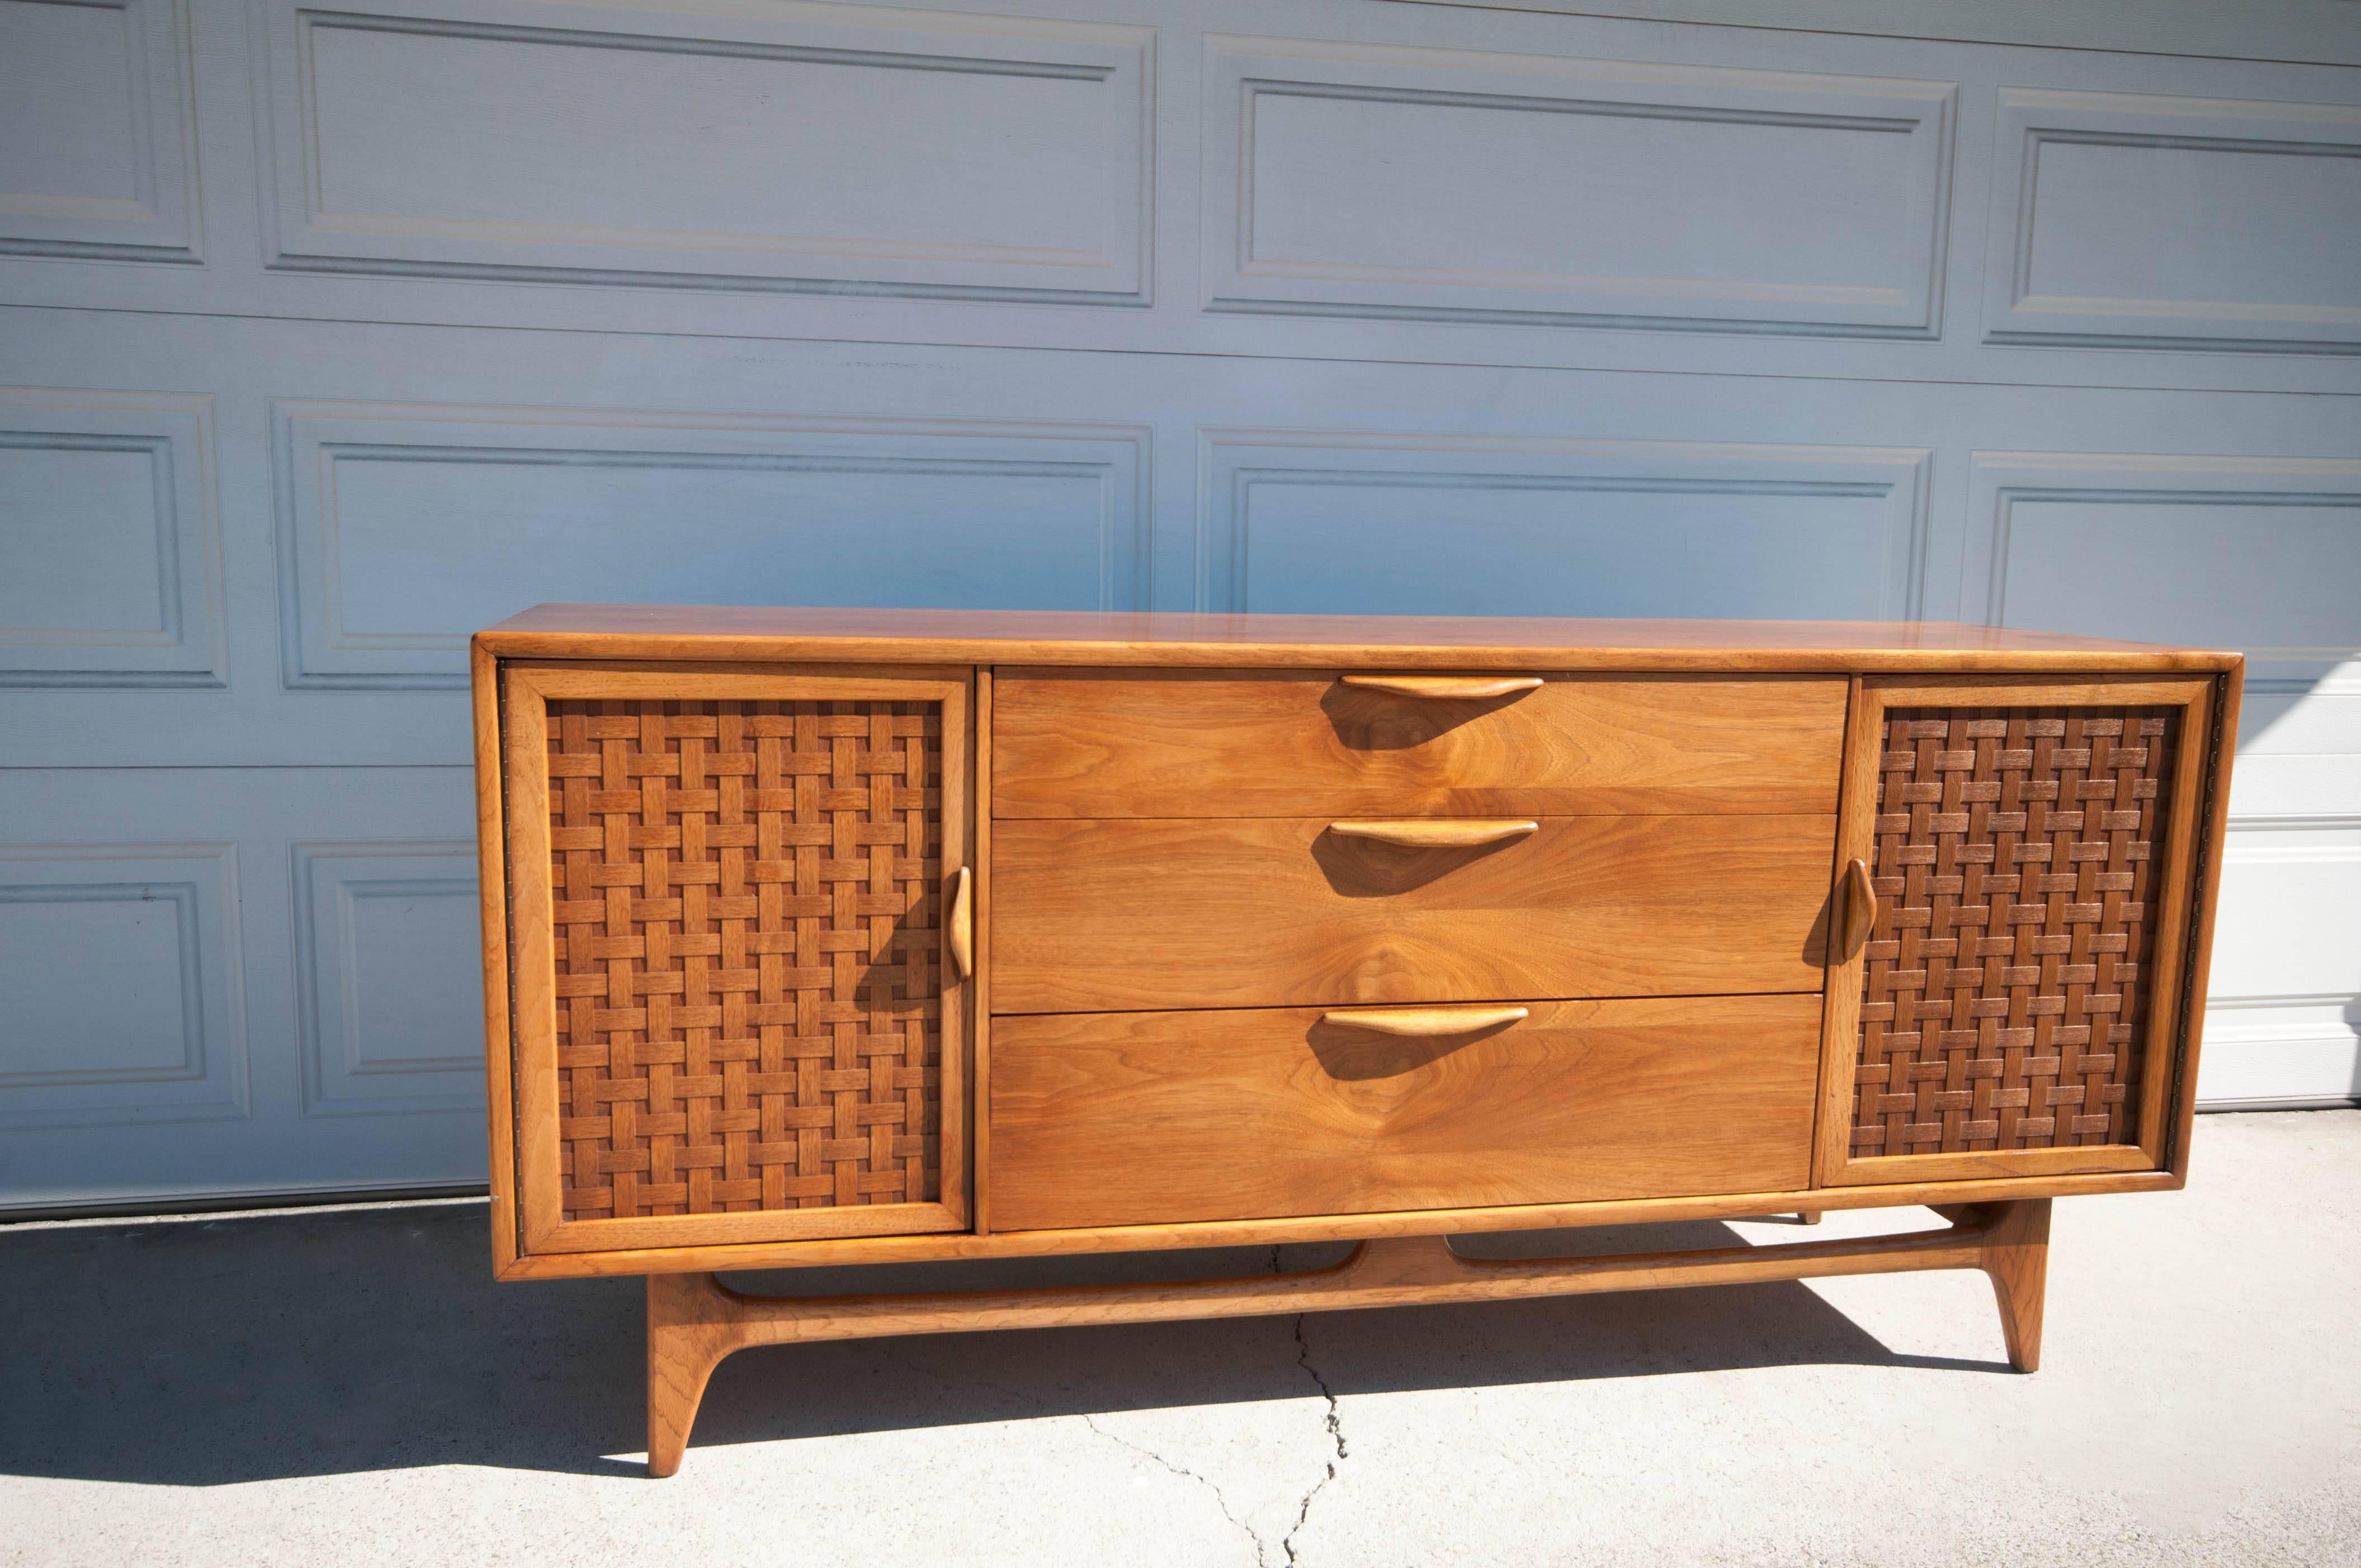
(1106, 743)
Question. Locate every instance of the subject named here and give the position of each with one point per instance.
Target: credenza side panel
(2014, 1007)
(735, 1014)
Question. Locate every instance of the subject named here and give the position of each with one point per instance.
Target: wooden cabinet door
(2016, 1004)
(737, 1009)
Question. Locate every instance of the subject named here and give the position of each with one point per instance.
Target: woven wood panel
(2019, 855)
(747, 934)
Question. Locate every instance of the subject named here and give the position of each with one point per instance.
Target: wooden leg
(1808, 1217)
(694, 1320)
(2017, 1256)
(690, 1331)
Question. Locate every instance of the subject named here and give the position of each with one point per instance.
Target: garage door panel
(386, 941)
(412, 525)
(576, 141)
(1629, 487)
(127, 998)
(2248, 553)
(286, 997)
(97, 136)
(114, 558)
(418, 195)
(2155, 221)
(1706, 199)
(2284, 1014)
(1269, 304)
(1438, 524)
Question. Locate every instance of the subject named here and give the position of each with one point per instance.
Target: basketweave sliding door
(737, 906)
(2014, 872)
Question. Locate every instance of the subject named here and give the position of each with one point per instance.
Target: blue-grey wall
(329, 333)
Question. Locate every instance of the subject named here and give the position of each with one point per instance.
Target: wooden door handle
(1434, 833)
(961, 924)
(1445, 687)
(1860, 905)
(1426, 1020)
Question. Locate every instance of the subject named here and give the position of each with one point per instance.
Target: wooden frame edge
(533, 973)
(2205, 900)
(491, 877)
(955, 1245)
(980, 1028)
(763, 1227)
(1841, 1005)
(884, 649)
(2082, 1160)
(678, 683)
(956, 1001)
(2159, 1052)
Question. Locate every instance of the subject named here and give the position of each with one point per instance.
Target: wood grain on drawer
(1235, 743)
(1275, 911)
(1146, 1117)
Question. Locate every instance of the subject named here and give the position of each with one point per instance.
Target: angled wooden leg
(2017, 1256)
(1807, 1216)
(694, 1320)
(688, 1333)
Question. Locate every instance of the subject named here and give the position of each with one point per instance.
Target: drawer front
(1091, 743)
(1148, 1117)
(1262, 912)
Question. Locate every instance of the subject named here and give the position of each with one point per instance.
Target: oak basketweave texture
(747, 940)
(2005, 989)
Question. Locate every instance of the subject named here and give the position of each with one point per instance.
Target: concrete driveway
(350, 1387)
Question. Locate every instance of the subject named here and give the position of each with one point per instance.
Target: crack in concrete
(1335, 1433)
(1262, 1556)
(1334, 1425)
(1254, 1537)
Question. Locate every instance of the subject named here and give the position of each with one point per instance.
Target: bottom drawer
(1142, 1118)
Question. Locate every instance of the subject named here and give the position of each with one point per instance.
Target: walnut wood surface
(1113, 743)
(695, 1320)
(1131, 1118)
(730, 987)
(979, 1001)
(2205, 899)
(629, 1261)
(1424, 1023)
(1264, 912)
(1469, 921)
(1489, 642)
(2016, 1258)
(2011, 968)
(491, 839)
(1986, 1060)
(1442, 688)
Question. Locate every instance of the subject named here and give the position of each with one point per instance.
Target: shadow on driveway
(201, 1353)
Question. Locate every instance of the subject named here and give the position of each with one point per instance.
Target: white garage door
(331, 333)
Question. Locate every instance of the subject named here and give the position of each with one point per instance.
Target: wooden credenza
(847, 936)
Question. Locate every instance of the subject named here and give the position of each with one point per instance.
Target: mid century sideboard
(818, 935)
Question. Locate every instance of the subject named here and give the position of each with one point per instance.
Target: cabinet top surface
(1092, 637)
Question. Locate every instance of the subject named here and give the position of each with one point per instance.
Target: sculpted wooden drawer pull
(1445, 687)
(1434, 833)
(962, 924)
(1860, 905)
(1426, 1020)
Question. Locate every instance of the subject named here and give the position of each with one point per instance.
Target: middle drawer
(1103, 917)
